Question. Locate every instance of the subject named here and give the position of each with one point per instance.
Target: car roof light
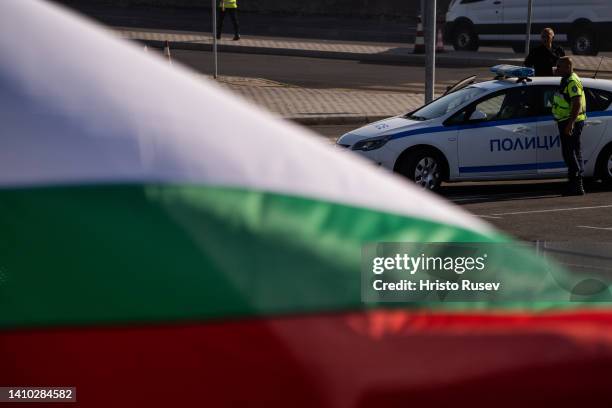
(504, 71)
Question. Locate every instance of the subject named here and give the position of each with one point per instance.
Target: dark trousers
(570, 147)
(233, 13)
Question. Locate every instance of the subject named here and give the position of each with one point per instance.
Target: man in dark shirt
(545, 56)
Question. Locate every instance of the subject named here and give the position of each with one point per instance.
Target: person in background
(228, 7)
(569, 110)
(545, 56)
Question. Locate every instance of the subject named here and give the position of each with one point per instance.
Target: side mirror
(478, 115)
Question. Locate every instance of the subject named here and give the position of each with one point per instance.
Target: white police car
(495, 130)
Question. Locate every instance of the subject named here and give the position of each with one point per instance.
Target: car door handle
(497, 2)
(521, 129)
(593, 122)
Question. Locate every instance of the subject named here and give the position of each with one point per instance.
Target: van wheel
(425, 167)
(604, 166)
(464, 38)
(583, 42)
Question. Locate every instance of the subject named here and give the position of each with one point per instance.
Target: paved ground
(320, 106)
(529, 210)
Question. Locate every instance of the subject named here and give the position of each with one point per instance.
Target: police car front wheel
(425, 167)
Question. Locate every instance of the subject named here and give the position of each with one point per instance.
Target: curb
(331, 120)
(441, 60)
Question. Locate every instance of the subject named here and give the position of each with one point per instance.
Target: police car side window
(597, 100)
(510, 104)
(489, 102)
(491, 107)
(520, 102)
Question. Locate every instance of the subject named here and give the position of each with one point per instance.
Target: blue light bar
(512, 71)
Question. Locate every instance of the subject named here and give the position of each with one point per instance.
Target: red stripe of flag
(381, 358)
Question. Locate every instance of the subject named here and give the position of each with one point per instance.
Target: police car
(495, 130)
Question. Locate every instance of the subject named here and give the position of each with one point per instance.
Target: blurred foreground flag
(163, 243)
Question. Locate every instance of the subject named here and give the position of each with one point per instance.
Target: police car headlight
(371, 144)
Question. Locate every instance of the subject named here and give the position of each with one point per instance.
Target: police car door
(550, 158)
(495, 136)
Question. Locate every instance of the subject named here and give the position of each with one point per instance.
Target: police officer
(544, 57)
(228, 7)
(569, 110)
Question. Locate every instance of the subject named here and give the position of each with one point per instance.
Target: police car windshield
(446, 104)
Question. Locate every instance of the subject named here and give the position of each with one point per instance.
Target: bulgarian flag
(163, 243)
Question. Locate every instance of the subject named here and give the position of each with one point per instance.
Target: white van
(584, 25)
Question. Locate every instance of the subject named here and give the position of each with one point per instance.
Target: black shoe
(579, 187)
(236, 37)
(574, 188)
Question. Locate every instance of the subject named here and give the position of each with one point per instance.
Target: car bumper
(370, 155)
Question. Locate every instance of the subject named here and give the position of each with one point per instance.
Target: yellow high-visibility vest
(562, 106)
(229, 4)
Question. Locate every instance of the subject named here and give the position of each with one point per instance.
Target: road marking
(488, 216)
(553, 210)
(597, 228)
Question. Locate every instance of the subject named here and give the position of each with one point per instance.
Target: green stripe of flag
(158, 253)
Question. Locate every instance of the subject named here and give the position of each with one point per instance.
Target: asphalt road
(528, 210)
(329, 73)
(324, 73)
